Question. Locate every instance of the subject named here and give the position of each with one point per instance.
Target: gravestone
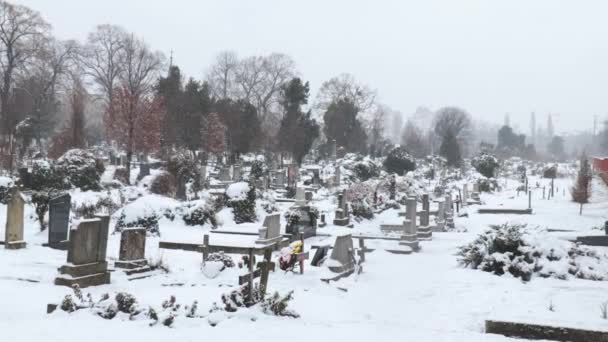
(144, 170)
(425, 231)
(271, 231)
(236, 173)
(338, 177)
(300, 197)
(85, 263)
(342, 255)
(224, 174)
(334, 150)
(279, 178)
(132, 253)
(316, 178)
(440, 217)
(342, 217)
(180, 192)
(410, 235)
(320, 255)
(14, 221)
(59, 219)
(465, 194)
(308, 196)
(105, 230)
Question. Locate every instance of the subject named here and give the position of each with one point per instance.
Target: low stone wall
(504, 211)
(544, 332)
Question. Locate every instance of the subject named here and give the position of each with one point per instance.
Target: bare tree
(222, 74)
(44, 79)
(346, 87)
(140, 67)
(101, 59)
(454, 120)
(23, 32)
(414, 140)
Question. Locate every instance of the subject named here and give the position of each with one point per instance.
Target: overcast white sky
(488, 57)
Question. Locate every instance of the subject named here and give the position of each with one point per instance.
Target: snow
(238, 191)
(424, 296)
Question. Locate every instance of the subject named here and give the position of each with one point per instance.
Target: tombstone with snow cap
(271, 231)
(300, 197)
(224, 174)
(14, 221)
(86, 264)
(342, 255)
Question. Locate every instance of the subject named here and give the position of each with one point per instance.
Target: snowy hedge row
(525, 252)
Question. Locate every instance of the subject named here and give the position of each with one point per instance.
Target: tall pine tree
(298, 130)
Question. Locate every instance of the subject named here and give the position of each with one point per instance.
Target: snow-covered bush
(524, 252)
(148, 221)
(225, 259)
(550, 172)
(163, 184)
(6, 184)
(360, 195)
(183, 166)
(486, 164)
(241, 198)
(366, 169)
(399, 161)
(487, 184)
(199, 212)
(277, 305)
(258, 169)
(46, 176)
(81, 169)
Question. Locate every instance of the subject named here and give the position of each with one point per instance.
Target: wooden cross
(205, 248)
(262, 271)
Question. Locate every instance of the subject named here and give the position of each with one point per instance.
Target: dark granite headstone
(144, 170)
(59, 218)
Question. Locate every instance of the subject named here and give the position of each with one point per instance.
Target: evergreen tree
(342, 125)
(170, 89)
(213, 134)
(243, 126)
(581, 191)
(450, 149)
(298, 130)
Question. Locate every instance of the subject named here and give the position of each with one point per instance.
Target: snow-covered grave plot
(445, 291)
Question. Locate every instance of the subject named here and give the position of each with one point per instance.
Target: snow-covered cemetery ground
(393, 292)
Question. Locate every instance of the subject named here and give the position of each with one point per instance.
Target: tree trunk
(580, 211)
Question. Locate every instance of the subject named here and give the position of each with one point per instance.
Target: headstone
(410, 234)
(14, 221)
(85, 265)
(271, 231)
(342, 257)
(224, 174)
(132, 254)
(236, 172)
(144, 170)
(338, 176)
(440, 218)
(320, 255)
(334, 150)
(342, 217)
(59, 219)
(308, 196)
(180, 192)
(300, 197)
(316, 177)
(465, 194)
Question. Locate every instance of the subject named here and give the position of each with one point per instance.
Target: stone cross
(14, 221)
